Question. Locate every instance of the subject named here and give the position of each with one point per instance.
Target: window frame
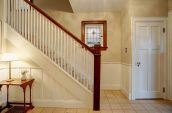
(104, 23)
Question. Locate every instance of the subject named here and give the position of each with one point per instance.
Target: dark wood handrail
(60, 26)
(97, 57)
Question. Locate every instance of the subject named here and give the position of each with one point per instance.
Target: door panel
(155, 37)
(148, 46)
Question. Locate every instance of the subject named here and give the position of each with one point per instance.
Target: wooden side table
(25, 106)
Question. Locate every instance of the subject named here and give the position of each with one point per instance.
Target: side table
(24, 107)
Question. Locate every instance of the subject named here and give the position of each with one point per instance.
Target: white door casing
(148, 44)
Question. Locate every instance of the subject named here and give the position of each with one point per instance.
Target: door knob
(138, 64)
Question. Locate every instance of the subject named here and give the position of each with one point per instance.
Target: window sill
(101, 48)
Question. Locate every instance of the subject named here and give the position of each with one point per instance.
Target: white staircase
(40, 35)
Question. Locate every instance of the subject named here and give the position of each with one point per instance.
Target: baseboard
(125, 92)
(170, 12)
(60, 103)
(111, 87)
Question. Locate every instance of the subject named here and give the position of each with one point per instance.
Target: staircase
(63, 48)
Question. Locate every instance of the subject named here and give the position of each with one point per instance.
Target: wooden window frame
(104, 23)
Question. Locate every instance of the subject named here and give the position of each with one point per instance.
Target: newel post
(97, 66)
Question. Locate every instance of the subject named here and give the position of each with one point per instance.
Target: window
(95, 33)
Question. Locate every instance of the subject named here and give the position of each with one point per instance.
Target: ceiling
(82, 5)
(97, 5)
(59, 5)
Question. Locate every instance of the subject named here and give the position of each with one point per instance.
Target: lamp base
(9, 80)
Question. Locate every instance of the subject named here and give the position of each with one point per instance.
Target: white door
(149, 59)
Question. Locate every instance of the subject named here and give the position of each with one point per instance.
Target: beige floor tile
(47, 110)
(105, 107)
(91, 111)
(149, 107)
(59, 110)
(118, 111)
(142, 111)
(138, 106)
(71, 111)
(126, 106)
(166, 111)
(116, 102)
(129, 111)
(37, 110)
(115, 106)
(82, 110)
(106, 111)
(154, 111)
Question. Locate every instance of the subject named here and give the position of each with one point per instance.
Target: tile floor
(116, 102)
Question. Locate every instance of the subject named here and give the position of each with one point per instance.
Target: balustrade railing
(60, 45)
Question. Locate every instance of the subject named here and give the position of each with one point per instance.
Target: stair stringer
(49, 67)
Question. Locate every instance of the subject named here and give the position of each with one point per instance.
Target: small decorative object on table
(23, 73)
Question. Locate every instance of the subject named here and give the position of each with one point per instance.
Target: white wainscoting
(47, 92)
(126, 80)
(1, 35)
(111, 75)
(169, 55)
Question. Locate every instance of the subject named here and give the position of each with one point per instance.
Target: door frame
(133, 46)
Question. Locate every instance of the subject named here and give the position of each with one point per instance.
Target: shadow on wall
(57, 5)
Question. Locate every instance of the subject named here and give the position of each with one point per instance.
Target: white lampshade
(8, 57)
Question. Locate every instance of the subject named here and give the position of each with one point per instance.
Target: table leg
(8, 104)
(30, 86)
(24, 92)
(0, 87)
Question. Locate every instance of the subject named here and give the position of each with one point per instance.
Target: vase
(23, 78)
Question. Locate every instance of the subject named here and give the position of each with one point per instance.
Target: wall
(111, 58)
(1, 24)
(44, 92)
(47, 91)
(111, 75)
(169, 5)
(1, 9)
(136, 8)
(72, 21)
(149, 8)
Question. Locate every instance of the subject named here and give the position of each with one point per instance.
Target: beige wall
(126, 35)
(1, 9)
(150, 8)
(139, 8)
(169, 5)
(73, 23)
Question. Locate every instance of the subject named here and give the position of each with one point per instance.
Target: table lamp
(8, 57)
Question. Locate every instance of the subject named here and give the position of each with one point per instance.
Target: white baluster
(11, 14)
(49, 39)
(61, 48)
(8, 11)
(28, 22)
(54, 40)
(14, 13)
(58, 45)
(40, 32)
(22, 11)
(25, 20)
(34, 27)
(37, 33)
(31, 25)
(46, 37)
(43, 34)
(20, 18)
(74, 59)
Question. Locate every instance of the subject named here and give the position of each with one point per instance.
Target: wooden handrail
(96, 51)
(60, 26)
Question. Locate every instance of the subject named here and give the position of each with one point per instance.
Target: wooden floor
(116, 102)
